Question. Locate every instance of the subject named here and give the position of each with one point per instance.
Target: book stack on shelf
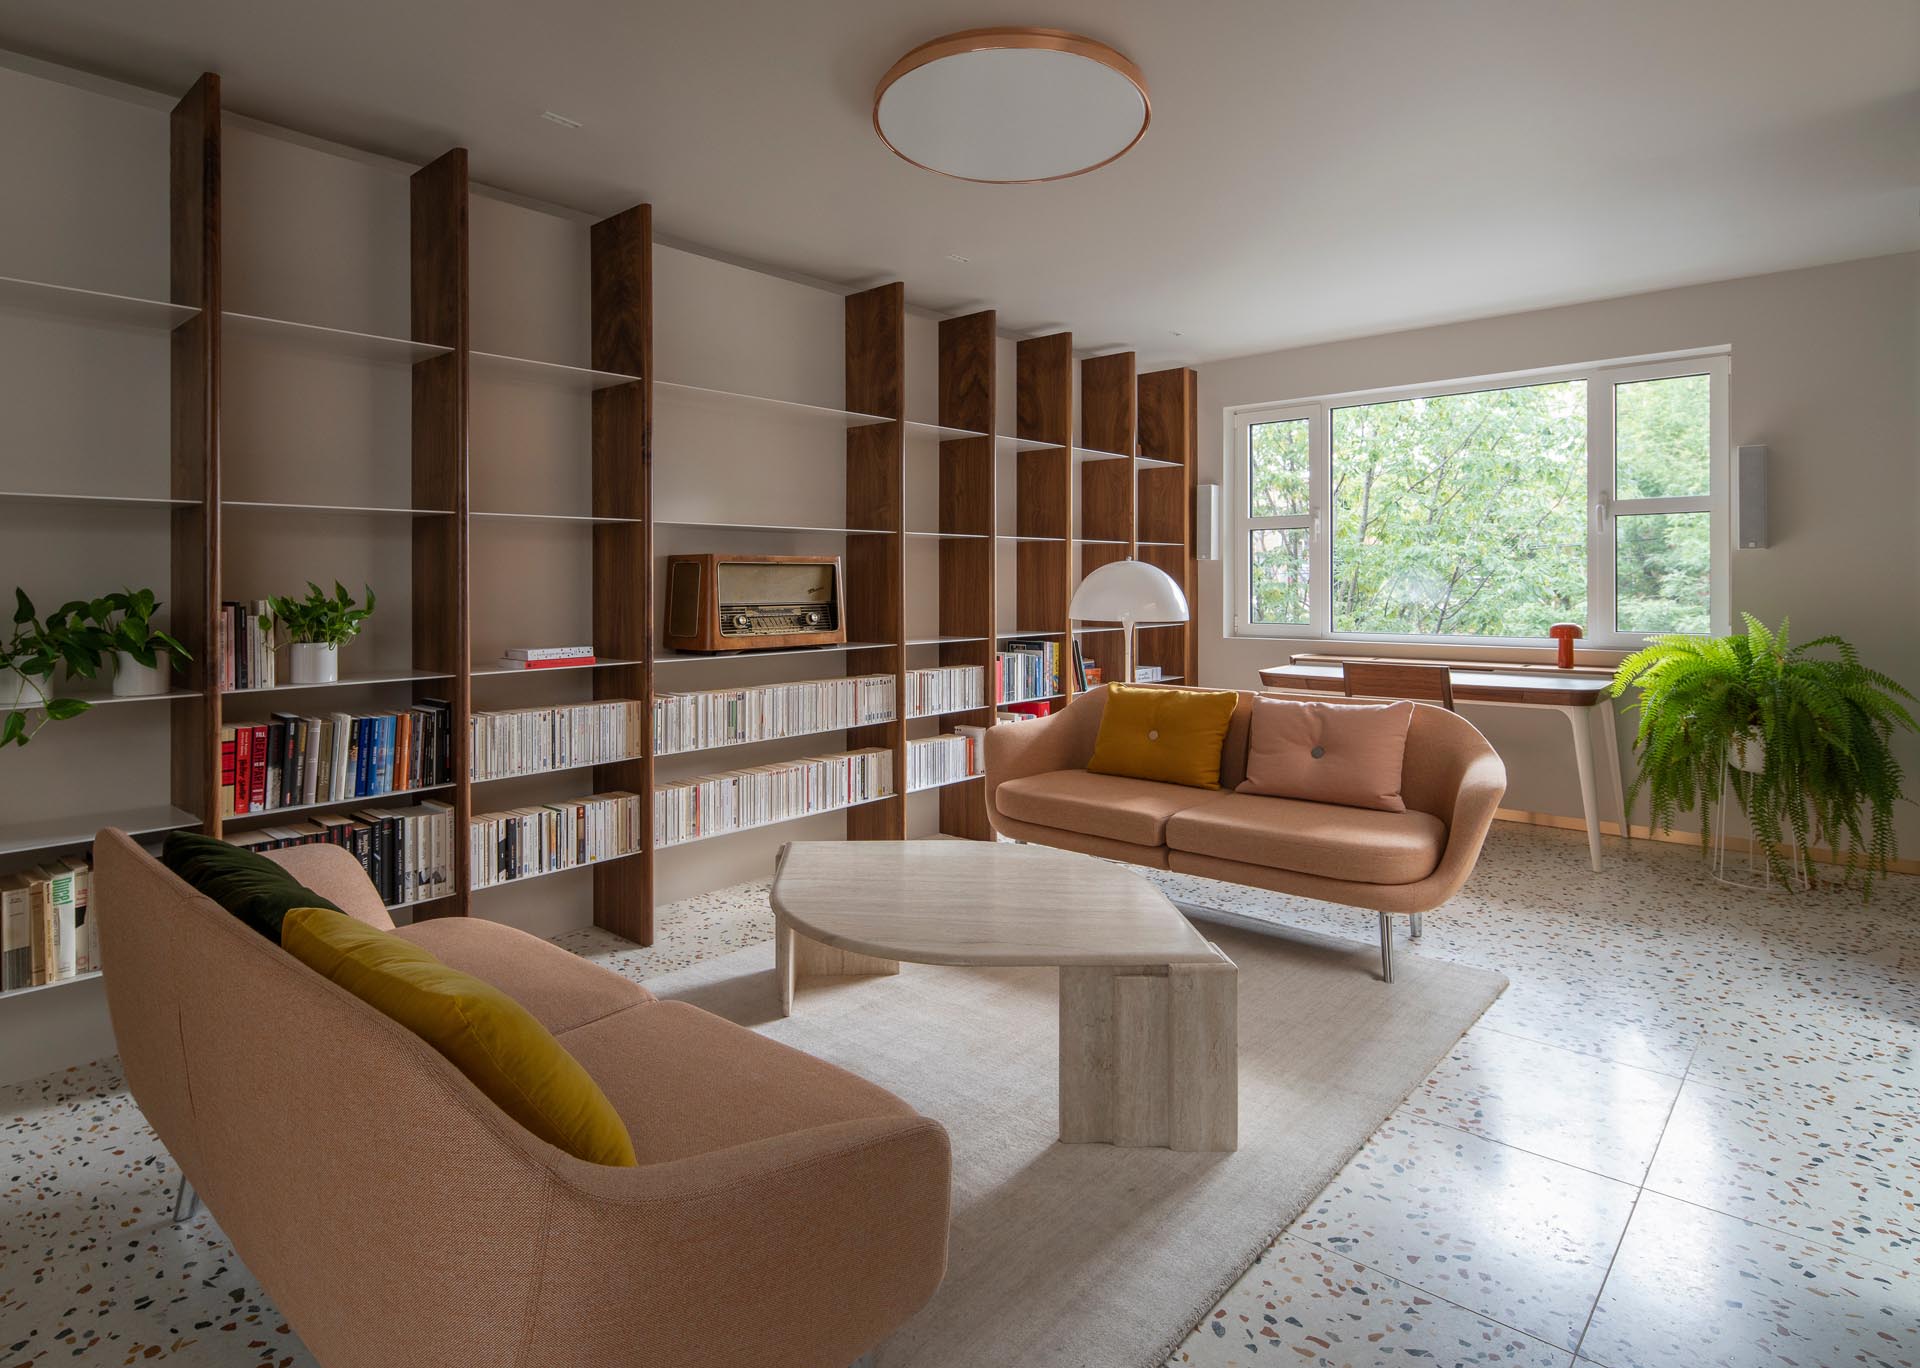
(245, 646)
(519, 741)
(294, 761)
(1025, 670)
(545, 657)
(44, 932)
(523, 843)
(684, 722)
(742, 799)
(951, 688)
(935, 761)
(406, 851)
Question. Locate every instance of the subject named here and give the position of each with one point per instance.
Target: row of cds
(736, 800)
(522, 842)
(536, 740)
(684, 722)
(936, 760)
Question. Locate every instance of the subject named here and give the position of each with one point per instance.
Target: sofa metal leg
(1386, 948)
(185, 1201)
(1413, 926)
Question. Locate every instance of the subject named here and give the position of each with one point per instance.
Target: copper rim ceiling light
(1010, 106)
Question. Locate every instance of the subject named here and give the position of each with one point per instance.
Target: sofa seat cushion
(1357, 845)
(687, 1082)
(560, 989)
(1107, 805)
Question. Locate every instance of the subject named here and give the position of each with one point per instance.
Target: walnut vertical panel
(968, 399)
(442, 626)
(1107, 401)
(876, 368)
(1043, 488)
(622, 251)
(1170, 431)
(194, 590)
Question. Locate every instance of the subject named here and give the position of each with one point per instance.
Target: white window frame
(1603, 509)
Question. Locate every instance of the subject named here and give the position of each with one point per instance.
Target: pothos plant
(33, 651)
(126, 619)
(1803, 740)
(319, 619)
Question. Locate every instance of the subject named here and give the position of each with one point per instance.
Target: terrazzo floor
(1687, 1134)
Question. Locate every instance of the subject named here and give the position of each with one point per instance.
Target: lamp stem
(1126, 634)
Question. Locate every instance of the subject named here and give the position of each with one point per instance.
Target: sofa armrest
(805, 1248)
(334, 874)
(1483, 782)
(1060, 741)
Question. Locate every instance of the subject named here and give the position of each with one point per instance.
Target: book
(556, 663)
(548, 653)
(16, 932)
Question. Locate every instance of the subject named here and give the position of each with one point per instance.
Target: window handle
(1602, 511)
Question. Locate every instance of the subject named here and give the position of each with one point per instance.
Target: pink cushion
(1346, 753)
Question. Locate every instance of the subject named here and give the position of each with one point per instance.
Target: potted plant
(1804, 741)
(141, 651)
(316, 627)
(28, 659)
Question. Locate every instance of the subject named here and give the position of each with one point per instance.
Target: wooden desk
(1576, 696)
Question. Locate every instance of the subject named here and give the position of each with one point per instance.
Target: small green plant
(126, 619)
(33, 652)
(319, 619)
(1826, 769)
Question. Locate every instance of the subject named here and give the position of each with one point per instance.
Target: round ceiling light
(1011, 105)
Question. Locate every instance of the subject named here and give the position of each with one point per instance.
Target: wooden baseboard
(1641, 833)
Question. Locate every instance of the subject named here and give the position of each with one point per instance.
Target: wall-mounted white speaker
(1750, 497)
(1206, 522)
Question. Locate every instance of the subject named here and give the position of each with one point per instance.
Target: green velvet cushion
(252, 887)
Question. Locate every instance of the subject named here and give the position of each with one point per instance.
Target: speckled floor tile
(1435, 1246)
(1572, 1107)
(1844, 1173)
(1695, 1287)
(1517, 1238)
(1301, 1304)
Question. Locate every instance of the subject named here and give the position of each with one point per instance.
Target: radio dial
(813, 619)
(742, 621)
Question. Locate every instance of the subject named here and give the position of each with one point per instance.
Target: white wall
(1824, 374)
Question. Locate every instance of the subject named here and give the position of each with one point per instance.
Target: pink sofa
(1394, 863)
(783, 1211)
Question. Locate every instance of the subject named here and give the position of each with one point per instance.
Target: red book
(242, 776)
(567, 663)
(1041, 708)
(258, 803)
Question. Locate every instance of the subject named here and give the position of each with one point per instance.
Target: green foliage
(319, 619)
(126, 618)
(1465, 514)
(35, 650)
(1828, 777)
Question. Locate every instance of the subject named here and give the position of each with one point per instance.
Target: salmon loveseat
(1394, 863)
(783, 1211)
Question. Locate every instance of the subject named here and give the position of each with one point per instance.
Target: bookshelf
(1098, 464)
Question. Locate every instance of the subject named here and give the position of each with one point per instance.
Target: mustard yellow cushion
(489, 1037)
(1171, 735)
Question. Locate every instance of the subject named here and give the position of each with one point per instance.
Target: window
(1486, 511)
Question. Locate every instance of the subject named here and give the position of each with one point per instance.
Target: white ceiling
(1315, 168)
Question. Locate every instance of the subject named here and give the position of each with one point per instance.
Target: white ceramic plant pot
(17, 691)
(131, 679)
(1748, 754)
(314, 662)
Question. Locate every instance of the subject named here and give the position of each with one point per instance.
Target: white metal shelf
(524, 370)
(945, 783)
(699, 396)
(91, 306)
(665, 657)
(495, 671)
(346, 681)
(549, 873)
(342, 342)
(557, 769)
(762, 826)
(326, 803)
(771, 527)
(56, 833)
(504, 515)
(42, 987)
(343, 510)
(97, 500)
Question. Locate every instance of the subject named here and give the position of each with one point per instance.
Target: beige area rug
(1087, 1254)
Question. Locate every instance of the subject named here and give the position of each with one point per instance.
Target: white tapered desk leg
(1610, 737)
(1583, 757)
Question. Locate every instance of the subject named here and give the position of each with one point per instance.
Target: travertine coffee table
(1149, 1048)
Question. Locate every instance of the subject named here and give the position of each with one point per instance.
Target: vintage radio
(749, 603)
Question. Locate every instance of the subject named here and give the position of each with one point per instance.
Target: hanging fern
(1829, 776)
